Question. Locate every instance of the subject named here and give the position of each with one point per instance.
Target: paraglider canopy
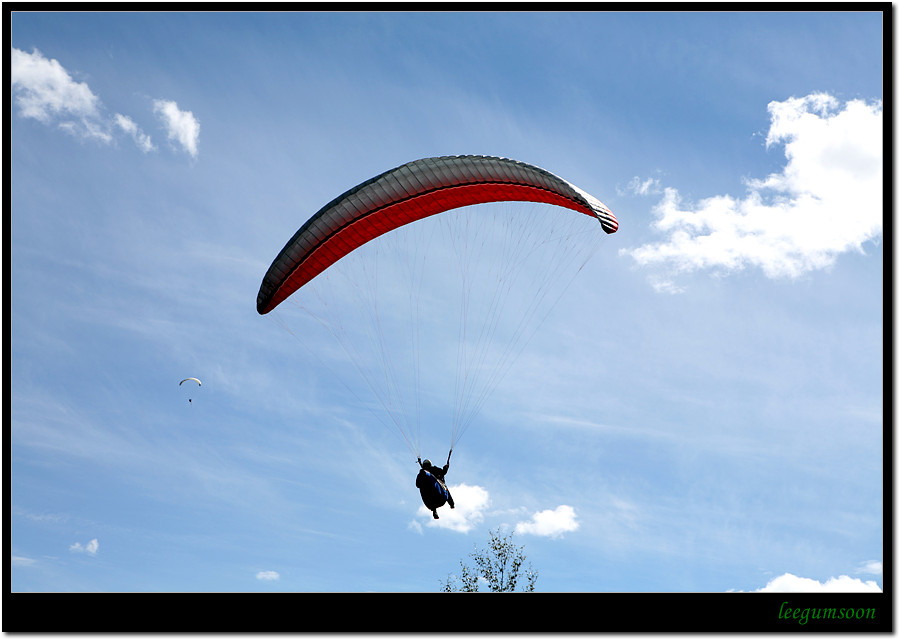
(408, 193)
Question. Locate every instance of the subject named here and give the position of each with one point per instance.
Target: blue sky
(701, 411)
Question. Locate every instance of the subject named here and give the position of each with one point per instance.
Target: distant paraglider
(199, 384)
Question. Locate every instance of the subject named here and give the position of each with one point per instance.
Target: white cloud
(872, 566)
(129, 126)
(267, 575)
(45, 91)
(827, 200)
(665, 285)
(551, 522)
(181, 126)
(89, 548)
(471, 503)
(22, 561)
(641, 187)
(789, 583)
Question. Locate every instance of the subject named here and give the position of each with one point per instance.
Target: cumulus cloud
(267, 575)
(45, 91)
(90, 548)
(471, 503)
(181, 126)
(827, 200)
(550, 523)
(789, 583)
(42, 89)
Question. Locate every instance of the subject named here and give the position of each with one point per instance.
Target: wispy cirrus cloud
(90, 548)
(45, 91)
(267, 576)
(141, 139)
(641, 187)
(826, 201)
(873, 567)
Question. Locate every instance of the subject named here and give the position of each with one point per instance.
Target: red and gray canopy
(408, 193)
